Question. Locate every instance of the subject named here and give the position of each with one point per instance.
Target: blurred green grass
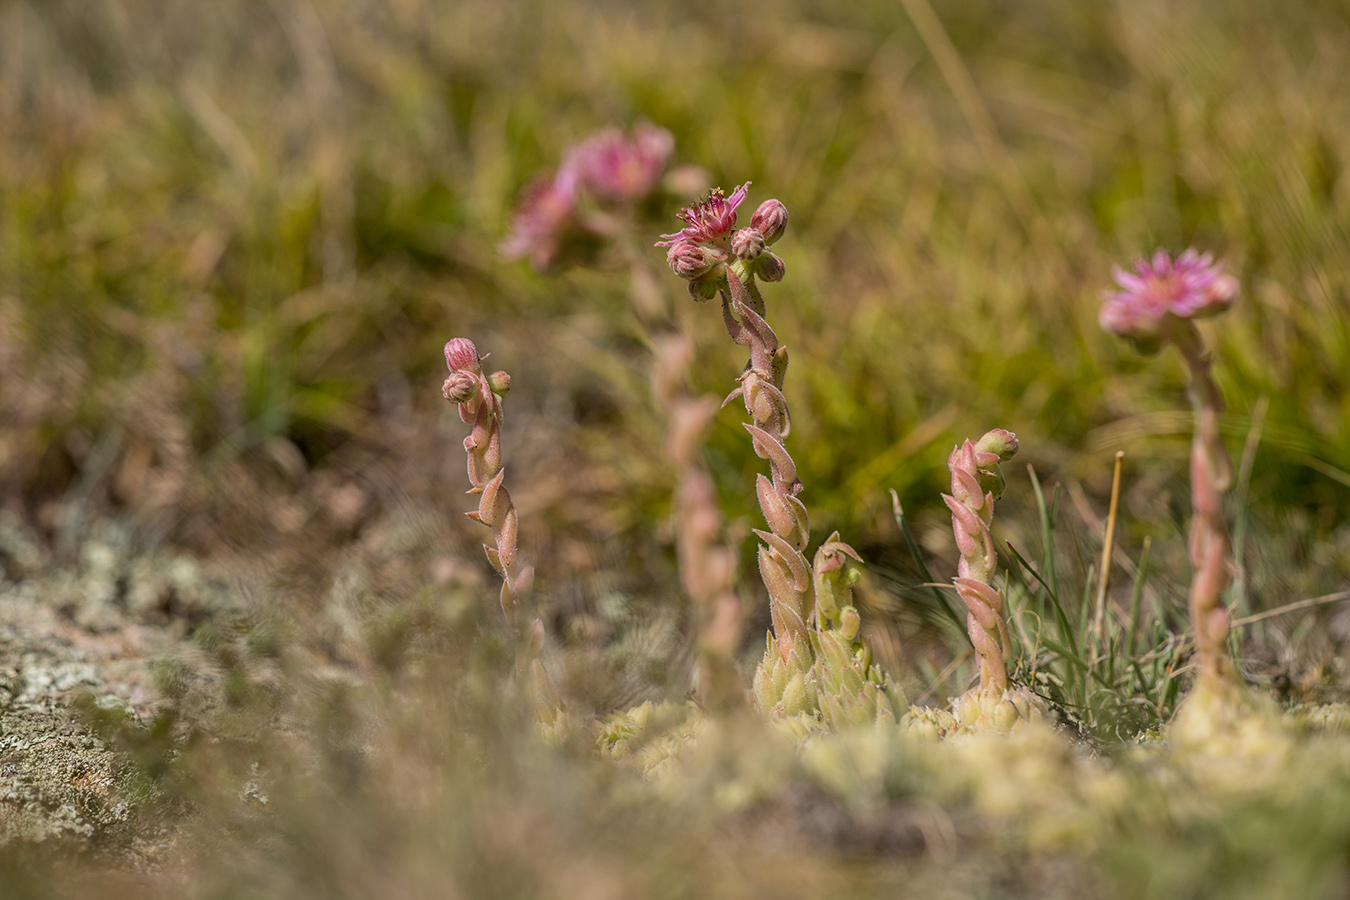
(287, 201)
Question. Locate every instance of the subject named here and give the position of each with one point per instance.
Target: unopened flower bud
(1000, 442)
(769, 267)
(691, 260)
(499, 383)
(461, 354)
(747, 243)
(770, 220)
(459, 387)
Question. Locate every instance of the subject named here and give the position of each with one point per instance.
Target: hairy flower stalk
(1211, 476)
(972, 506)
(608, 179)
(707, 566)
(976, 483)
(478, 397)
(1158, 303)
(716, 257)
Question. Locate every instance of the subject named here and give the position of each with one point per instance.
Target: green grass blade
(1061, 619)
(899, 513)
(1137, 597)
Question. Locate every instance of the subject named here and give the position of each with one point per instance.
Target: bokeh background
(236, 236)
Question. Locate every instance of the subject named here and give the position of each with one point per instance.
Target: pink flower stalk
(480, 405)
(784, 681)
(1159, 303)
(976, 482)
(622, 169)
(1161, 290)
(707, 566)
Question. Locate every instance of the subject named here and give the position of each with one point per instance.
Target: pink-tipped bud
(747, 243)
(499, 383)
(692, 261)
(459, 387)
(769, 267)
(1220, 294)
(770, 220)
(462, 355)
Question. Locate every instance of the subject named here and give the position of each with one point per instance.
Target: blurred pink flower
(618, 168)
(1191, 287)
(710, 221)
(544, 215)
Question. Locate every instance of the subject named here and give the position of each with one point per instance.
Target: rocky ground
(84, 641)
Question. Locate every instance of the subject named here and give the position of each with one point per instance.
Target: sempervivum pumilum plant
(478, 397)
(976, 483)
(1157, 304)
(717, 258)
(591, 203)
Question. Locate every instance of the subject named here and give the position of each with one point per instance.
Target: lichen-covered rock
(59, 783)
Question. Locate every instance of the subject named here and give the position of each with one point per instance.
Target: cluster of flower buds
(478, 397)
(710, 245)
(1158, 304)
(568, 215)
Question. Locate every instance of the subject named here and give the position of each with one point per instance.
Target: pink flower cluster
(701, 251)
(1162, 289)
(611, 169)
